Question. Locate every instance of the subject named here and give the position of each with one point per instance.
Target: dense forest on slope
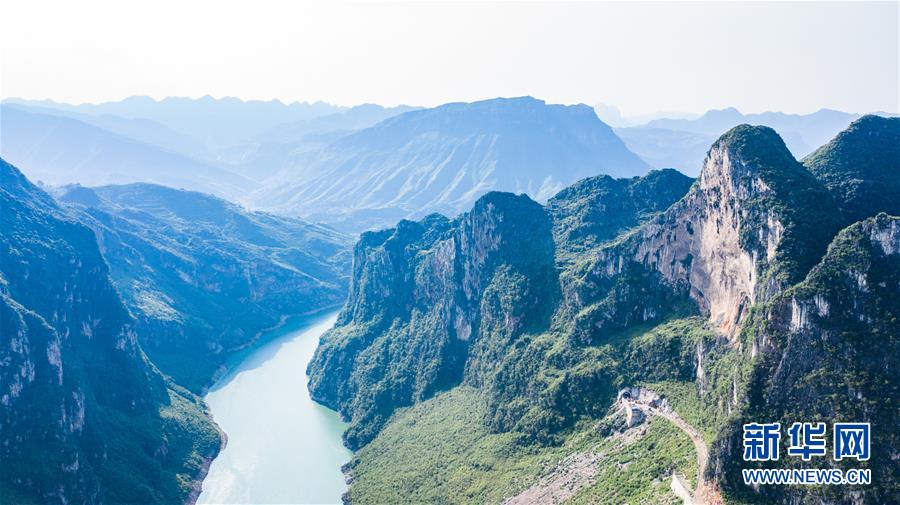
(859, 167)
(205, 277)
(84, 416)
(544, 313)
(91, 281)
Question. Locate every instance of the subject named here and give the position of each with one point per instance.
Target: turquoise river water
(282, 447)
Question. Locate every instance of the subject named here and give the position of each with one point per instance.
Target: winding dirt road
(705, 493)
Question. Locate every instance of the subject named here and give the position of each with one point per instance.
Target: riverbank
(282, 447)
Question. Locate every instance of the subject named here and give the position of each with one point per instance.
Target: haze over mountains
(367, 166)
(443, 159)
(61, 150)
(212, 121)
(682, 142)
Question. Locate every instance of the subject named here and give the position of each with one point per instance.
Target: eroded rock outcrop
(827, 349)
(753, 222)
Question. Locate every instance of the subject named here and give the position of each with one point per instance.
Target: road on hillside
(705, 493)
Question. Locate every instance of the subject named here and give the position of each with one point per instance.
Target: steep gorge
(84, 416)
(548, 323)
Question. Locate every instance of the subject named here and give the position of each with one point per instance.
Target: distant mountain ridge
(59, 150)
(680, 143)
(443, 159)
(212, 121)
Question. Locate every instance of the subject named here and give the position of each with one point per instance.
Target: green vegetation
(548, 322)
(860, 167)
(439, 452)
(85, 416)
(834, 349)
(640, 471)
(204, 277)
(595, 210)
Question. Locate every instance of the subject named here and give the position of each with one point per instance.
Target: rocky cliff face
(429, 292)
(205, 277)
(549, 342)
(436, 303)
(84, 417)
(826, 349)
(754, 221)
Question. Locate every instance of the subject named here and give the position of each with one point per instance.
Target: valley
(472, 357)
(282, 447)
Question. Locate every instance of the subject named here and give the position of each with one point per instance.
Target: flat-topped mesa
(746, 229)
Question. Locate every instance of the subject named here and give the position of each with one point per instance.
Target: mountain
(595, 210)
(60, 150)
(680, 142)
(511, 335)
(205, 277)
(354, 118)
(861, 166)
(140, 129)
(663, 148)
(209, 121)
(802, 132)
(84, 416)
(827, 351)
(268, 153)
(464, 290)
(443, 159)
(611, 115)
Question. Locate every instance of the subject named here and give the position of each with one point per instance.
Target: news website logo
(807, 441)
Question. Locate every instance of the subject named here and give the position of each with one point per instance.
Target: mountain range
(84, 416)
(681, 142)
(286, 158)
(213, 122)
(58, 150)
(762, 291)
(443, 159)
(204, 277)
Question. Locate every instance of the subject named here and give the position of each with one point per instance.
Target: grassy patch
(439, 451)
(641, 471)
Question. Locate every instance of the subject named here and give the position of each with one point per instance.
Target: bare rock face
(721, 244)
(820, 345)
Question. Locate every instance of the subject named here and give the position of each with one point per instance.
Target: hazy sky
(641, 57)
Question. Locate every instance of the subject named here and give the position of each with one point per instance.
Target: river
(282, 446)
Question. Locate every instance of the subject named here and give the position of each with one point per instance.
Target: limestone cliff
(84, 417)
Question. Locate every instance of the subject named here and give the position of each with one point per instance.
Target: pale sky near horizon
(640, 57)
